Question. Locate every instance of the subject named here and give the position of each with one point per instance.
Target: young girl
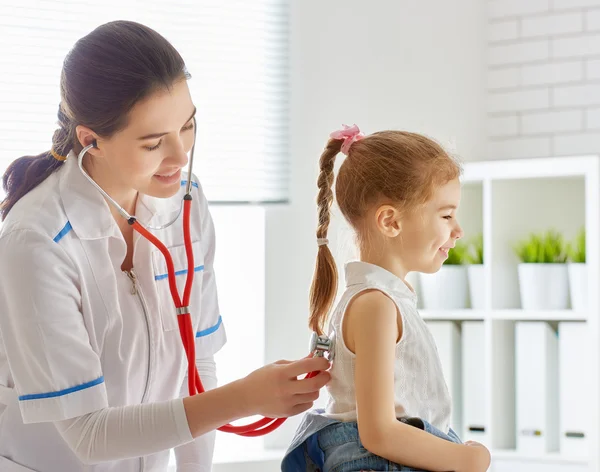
(389, 407)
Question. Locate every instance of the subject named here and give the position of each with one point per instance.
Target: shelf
(537, 168)
(453, 315)
(543, 315)
(505, 202)
(551, 457)
(519, 208)
(508, 314)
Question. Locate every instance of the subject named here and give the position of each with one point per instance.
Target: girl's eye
(448, 217)
(188, 127)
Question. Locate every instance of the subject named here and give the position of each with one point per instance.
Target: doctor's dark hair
(396, 167)
(104, 75)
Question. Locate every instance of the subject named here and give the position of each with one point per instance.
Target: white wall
(543, 78)
(417, 65)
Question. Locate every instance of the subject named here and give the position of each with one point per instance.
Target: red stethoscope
(320, 345)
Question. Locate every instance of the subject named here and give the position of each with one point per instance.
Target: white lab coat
(74, 338)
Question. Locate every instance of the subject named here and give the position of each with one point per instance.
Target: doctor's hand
(276, 391)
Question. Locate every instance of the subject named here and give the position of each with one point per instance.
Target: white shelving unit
(506, 200)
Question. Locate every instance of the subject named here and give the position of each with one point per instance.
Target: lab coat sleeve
(56, 372)
(210, 333)
(126, 432)
(197, 455)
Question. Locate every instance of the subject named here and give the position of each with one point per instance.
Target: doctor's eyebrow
(160, 135)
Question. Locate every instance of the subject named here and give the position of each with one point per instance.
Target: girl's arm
(372, 327)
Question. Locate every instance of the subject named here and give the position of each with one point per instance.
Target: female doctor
(92, 368)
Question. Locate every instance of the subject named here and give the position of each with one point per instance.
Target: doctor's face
(150, 152)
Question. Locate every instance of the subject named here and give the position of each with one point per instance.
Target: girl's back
(419, 386)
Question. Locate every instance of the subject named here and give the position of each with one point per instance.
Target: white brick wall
(552, 121)
(593, 69)
(553, 24)
(503, 126)
(510, 148)
(576, 95)
(560, 4)
(552, 73)
(593, 20)
(580, 46)
(503, 30)
(515, 53)
(543, 78)
(504, 8)
(518, 100)
(592, 118)
(579, 143)
(507, 77)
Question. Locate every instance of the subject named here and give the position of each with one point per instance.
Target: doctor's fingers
(306, 365)
(311, 385)
(305, 397)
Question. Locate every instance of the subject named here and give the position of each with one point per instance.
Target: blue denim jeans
(323, 445)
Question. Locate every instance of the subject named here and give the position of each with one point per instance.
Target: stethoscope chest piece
(322, 346)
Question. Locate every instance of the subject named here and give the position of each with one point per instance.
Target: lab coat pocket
(167, 306)
(6, 465)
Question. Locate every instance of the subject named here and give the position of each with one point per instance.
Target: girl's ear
(387, 219)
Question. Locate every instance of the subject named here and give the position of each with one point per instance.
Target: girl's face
(429, 232)
(148, 155)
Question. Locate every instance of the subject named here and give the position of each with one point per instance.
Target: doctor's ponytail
(104, 75)
(26, 173)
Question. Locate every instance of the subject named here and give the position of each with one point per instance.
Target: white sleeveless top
(419, 385)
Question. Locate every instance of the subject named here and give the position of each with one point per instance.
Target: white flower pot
(477, 286)
(544, 286)
(446, 289)
(578, 286)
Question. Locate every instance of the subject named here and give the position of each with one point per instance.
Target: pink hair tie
(350, 134)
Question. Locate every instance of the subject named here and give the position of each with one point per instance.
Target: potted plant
(543, 275)
(447, 288)
(577, 272)
(476, 274)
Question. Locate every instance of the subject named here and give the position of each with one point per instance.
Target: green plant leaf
(544, 248)
(474, 254)
(576, 249)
